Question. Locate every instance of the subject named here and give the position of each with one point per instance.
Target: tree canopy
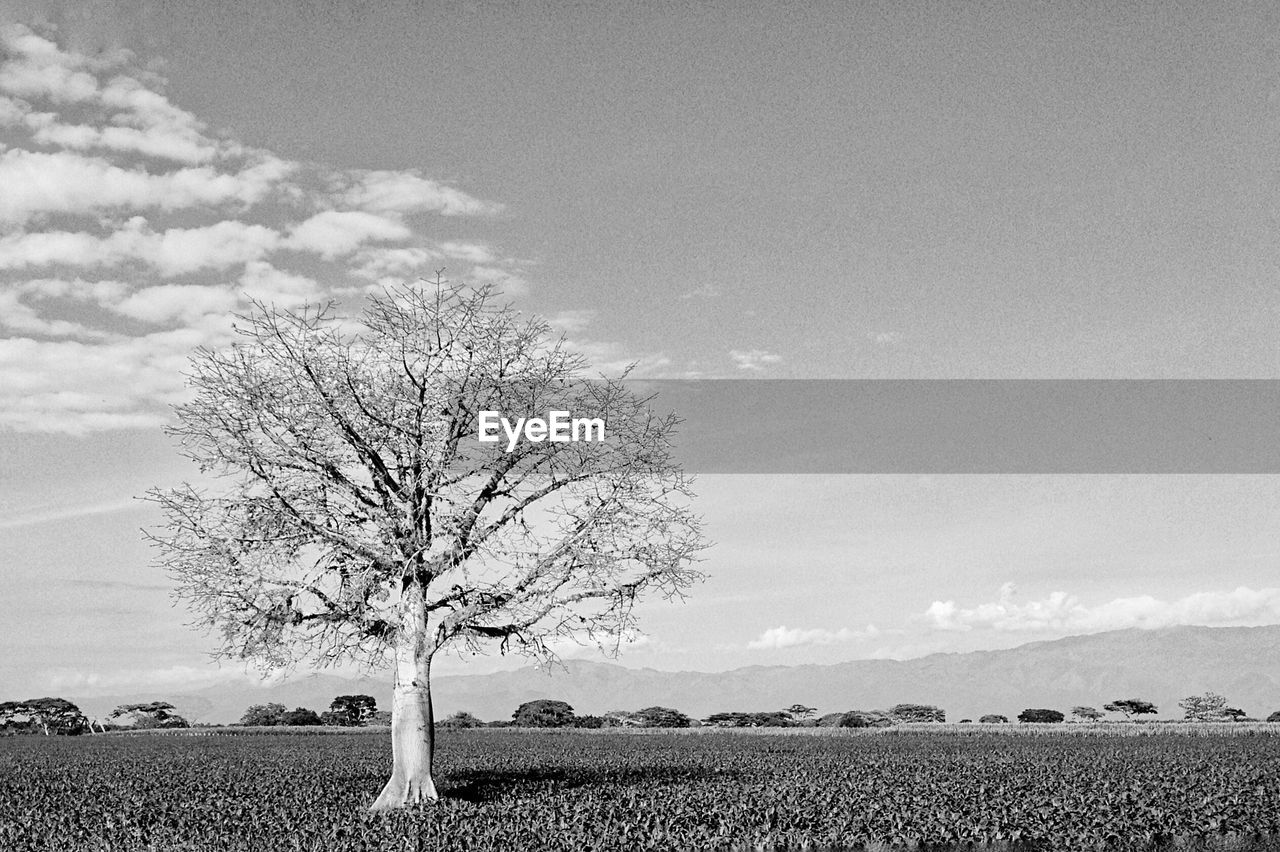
(1130, 707)
(1040, 714)
(347, 445)
(42, 716)
(148, 714)
(543, 713)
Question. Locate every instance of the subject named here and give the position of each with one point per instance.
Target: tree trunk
(413, 732)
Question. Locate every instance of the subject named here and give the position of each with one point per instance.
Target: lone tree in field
(1210, 707)
(350, 711)
(1130, 707)
(356, 517)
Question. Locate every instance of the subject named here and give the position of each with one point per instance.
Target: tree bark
(413, 731)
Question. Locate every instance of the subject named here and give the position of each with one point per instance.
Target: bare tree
(355, 517)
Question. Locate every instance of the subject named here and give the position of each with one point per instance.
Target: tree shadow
(478, 786)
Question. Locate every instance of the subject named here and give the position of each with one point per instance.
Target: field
(513, 790)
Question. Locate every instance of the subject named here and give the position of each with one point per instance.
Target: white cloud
(76, 387)
(175, 251)
(612, 359)
(333, 233)
(263, 282)
(101, 171)
(470, 252)
(885, 338)
(393, 264)
(754, 360)
(1064, 613)
(39, 182)
(572, 321)
(176, 677)
(790, 637)
(38, 69)
(508, 283)
(169, 302)
(408, 191)
(16, 315)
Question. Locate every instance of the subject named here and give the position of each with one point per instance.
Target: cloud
(169, 302)
(470, 252)
(38, 182)
(408, 192)
(333, 233)
(38, 69)
(611, 359)
(30, 518)
(885, 338)
(176, 677)
(572, 321)
(129, 113)
(1064, 613)
(264, 283)
(171, 252)
(754, 360)
(16, 315)
(76, 387)
(103, 175)
(392, 265)
(791, 637)
(508, 283)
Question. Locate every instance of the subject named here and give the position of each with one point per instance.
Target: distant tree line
(58, 716)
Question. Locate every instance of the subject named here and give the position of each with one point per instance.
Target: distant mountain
(1161, 666)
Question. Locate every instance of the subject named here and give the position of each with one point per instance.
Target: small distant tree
(966, 721)
(351, 711)
(662, 717)
(993, 718)
(301, 717)
(917, 713)
(264, 715)
(800, 711)
(1088, 714)
(543, 713)
(1210, 707)
(147, 715)
(1040, 715)
(46, 716)
(1274, 717)
(462, 719)
(1130, 707)
(738, 719)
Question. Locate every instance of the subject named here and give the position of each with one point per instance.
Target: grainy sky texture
(893, 190)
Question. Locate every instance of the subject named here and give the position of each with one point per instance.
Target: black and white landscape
(973, 311)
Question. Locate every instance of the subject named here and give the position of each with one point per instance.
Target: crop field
(511, 790)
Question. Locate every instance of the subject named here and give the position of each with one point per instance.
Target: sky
(706, 190)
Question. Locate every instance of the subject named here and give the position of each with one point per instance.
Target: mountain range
(1161, 665)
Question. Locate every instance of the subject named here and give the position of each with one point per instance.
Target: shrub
(993, 717)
